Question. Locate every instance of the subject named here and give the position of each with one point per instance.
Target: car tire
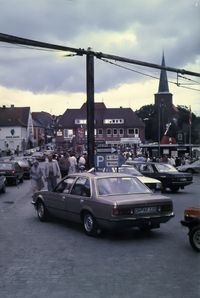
(174, 188)
(42, 212)
(3, 190)
(194, 237)
(90, 225)
(16, 181)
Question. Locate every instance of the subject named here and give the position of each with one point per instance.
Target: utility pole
(159, 131)
(90, 108)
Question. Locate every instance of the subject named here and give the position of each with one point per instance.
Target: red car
(192, 221)
(12, 171)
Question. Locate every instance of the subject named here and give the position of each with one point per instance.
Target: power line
(179, 76)
(148, 75)
(24, 41)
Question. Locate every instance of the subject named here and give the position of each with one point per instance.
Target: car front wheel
(194, 237)
(90, 224)
(42, 211)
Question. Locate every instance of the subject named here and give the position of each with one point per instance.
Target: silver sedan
(104, 201)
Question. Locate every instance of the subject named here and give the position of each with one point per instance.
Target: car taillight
(122, 211)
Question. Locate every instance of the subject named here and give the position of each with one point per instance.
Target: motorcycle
(192, 222)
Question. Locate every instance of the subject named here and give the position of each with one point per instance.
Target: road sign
(105, 150)
(106, 160)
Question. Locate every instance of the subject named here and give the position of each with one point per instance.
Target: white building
(16, 129)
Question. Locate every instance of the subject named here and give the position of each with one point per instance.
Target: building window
(136, 132)
(115, 132)
(80, 121)
(113, 121)
(121, 132)
(100, 131)
(108, 132)
(130, 131)
(68, 133)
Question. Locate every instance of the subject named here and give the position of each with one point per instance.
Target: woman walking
(51, 172)
(36, 175)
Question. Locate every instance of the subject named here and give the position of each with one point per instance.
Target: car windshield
(23, 163)
(6, 166)
(120, 186)
(162, 168)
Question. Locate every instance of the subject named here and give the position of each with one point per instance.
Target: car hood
(145, 179)
(176, 174)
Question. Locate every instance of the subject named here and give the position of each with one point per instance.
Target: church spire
(163, 84)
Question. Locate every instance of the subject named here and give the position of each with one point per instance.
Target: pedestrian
(51, 172)
(81, 163)
(73, 163)
(64, 164)
(17, 150)
(36, 175)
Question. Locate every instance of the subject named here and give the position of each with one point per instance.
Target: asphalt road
(57, 260)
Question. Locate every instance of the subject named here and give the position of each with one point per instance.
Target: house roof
(101, 113)
(14, 116)
(42, 119)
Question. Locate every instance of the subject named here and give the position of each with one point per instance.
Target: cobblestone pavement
(57, 260)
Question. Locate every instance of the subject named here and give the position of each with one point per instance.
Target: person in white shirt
(73, 164)
(51, 172)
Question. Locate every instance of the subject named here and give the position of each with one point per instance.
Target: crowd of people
(58, 166)
(173, 160)
(55, 168)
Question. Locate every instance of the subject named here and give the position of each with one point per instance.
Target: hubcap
(40, 210)
(196, 238)
(88, 223)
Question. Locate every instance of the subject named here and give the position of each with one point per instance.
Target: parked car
(40, 156)
(166, 173)
(26, 167)
(193, 167)
(152, 183)
(24, 163)
(192, 221)
(12, 171)
(2, 184)
(104, 201)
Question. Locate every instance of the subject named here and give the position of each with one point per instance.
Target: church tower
(163, 97)
(163, 102)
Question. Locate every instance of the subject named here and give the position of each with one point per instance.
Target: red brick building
(113, 126)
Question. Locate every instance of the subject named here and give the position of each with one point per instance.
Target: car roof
(99, 174)
(8, 161)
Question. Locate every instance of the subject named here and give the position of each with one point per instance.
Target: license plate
(145, 210)
(183, 179)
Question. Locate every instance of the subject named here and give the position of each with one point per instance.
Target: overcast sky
(137, 29)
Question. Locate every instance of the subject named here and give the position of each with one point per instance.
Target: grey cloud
(158, 25)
